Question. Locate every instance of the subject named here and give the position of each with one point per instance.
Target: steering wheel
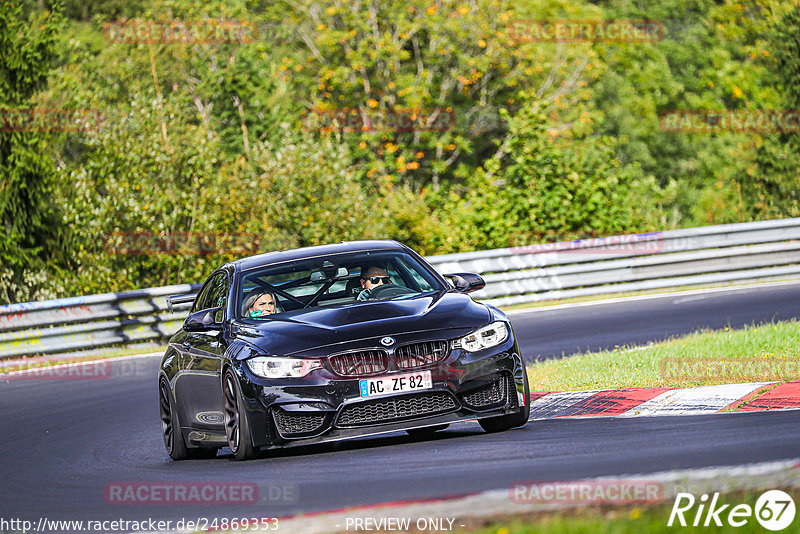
(389, 290)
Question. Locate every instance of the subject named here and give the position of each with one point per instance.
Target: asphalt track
(64, 442)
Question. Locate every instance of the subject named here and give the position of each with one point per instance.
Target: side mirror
(466, 282)
(203, 320)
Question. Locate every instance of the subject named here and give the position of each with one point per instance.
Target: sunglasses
(376, 279)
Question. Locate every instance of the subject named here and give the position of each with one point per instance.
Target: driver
(260, 304)
(372, 276)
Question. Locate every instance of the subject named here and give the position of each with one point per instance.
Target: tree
(31, 235)
(711, 56)
(546, 185)
(771, 183)
(456, 63)
(132, 188)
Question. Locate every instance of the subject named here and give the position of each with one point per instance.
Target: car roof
(267, 258)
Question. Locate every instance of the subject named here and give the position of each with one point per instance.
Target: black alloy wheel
(237, 429)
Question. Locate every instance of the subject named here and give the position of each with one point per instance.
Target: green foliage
(452, 58)
(142, 174)
(305, 192)
(137, 182)
(546, 185)
(786, 44)
(542, 141)
(308, 191)
(770, 183)
(30, 223)
(712, 57)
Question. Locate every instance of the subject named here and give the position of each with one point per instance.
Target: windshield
(334, 280)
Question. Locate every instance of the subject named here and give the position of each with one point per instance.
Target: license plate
(389, 385)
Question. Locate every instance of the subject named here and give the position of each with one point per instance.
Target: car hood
(340, 328)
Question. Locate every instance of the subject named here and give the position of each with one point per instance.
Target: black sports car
(333, 342)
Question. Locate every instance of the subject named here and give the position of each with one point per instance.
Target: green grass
(629, 519)
(767, 352)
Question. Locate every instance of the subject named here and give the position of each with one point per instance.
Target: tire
(237, 427)
(502, 423)
(171, 429)
(425, 432)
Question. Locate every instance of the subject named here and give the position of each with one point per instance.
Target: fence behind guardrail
(765, 250)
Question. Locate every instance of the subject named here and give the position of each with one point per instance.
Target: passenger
(260, 304)
(372, 276)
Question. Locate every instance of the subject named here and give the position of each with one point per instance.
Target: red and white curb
(755, 396)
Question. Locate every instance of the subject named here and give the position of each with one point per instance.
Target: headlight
(268, 367)
(485, 337)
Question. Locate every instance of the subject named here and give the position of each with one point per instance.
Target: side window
(213, 294)
(201, 297)
(218, 295)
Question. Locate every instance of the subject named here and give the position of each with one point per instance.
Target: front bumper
(323, 407)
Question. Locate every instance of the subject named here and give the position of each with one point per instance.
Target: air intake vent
(493, 394)
(294, 423)
(421, 354)
(395, 408)
(361, 363)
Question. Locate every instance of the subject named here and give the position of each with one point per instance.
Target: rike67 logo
(774, 510)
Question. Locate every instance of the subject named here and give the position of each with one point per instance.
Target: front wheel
(507, 422)
(237, 428)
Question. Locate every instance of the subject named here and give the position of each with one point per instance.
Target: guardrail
(764, 250)
(80, 323)
(674, 258)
